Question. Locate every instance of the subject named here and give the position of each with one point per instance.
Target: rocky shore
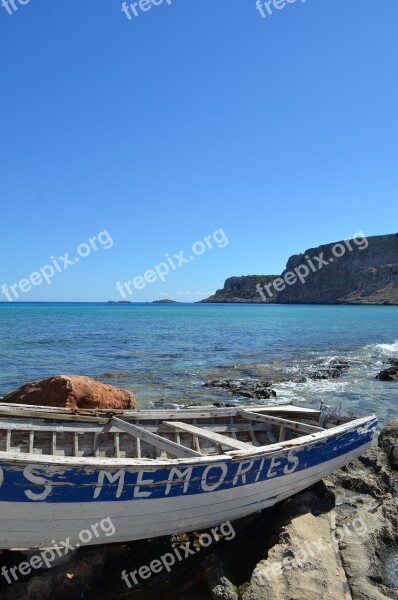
(337, 540)
(260, 389)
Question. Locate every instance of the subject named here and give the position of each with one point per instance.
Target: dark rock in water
(388, 441)
(114, 376)
(329, 370)
(72, 391)
(247, 388)
(390, 374)
(391, 361)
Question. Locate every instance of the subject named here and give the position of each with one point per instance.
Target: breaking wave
(387, 348)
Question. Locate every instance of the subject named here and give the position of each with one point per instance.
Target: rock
(388, 441)
(390, 374)
(331, 541)
(329, 370)
(246, 388)
(244, 289)
(220, 586)
(391, 361)
(360, 271)
(72, 391)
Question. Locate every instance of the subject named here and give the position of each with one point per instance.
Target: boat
(160, 472)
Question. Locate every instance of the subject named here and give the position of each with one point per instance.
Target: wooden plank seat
(217, 438)
(158, 441)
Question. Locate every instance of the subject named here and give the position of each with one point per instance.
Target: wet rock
(72, 391)
(388, 441)
(330, 369)
(246, 388)
(390, 374)
(391, 361)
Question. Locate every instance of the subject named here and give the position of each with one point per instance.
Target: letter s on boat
(30, 476)
(293, 460)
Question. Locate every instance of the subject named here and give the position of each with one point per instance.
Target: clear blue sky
(192, 117)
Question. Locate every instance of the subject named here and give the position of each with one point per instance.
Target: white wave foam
(388, 348)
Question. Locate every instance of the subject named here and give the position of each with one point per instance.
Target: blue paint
(76, 484)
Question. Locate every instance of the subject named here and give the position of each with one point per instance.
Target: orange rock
(72, 391)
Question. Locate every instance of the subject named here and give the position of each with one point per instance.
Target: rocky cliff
(358, 271)
(242, 289)
(365, 274)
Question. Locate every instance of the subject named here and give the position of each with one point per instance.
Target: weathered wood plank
(154, 439)
(210, 435)
(293, 425)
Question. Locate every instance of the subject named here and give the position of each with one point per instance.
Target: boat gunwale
(233, 455)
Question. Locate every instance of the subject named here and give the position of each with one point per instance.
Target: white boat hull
(46, 503)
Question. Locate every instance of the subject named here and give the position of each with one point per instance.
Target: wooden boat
(159, 472)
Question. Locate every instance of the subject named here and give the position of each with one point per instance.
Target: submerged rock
(72, 391)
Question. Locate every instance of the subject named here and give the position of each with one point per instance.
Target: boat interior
(157, 434)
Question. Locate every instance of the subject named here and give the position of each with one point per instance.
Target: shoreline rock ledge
(72, 391)
(339, 539)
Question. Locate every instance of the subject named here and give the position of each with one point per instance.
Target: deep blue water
(169, 351)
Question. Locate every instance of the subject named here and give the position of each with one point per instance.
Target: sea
(165, 353)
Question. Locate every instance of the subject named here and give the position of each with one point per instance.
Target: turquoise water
(169, 351)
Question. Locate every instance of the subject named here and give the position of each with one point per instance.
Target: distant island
(359, 271)
(165, 302)
(119, 302)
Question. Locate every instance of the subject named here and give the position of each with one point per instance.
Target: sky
(194, 120)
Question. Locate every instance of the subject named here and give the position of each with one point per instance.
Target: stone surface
(390, 374)
(260, 389)
(72, 391)
(329, 370)
(242, 289)
(388, 441)
(246, 388)
(220, 586)
(364, 275)
(335, 540)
